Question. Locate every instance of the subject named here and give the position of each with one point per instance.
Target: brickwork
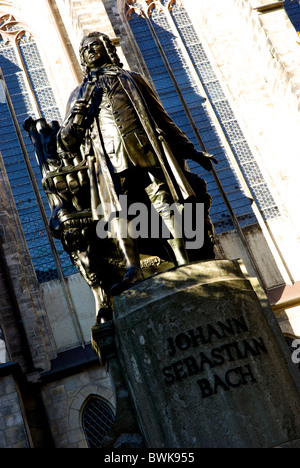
(64, 401)
(25, 288)
(260, 95)
(13, 432)
(276, 40)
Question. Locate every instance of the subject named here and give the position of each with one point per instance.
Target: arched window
(192, 94)
(31, 94)
(97, 419)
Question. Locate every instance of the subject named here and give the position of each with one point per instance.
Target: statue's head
(96, 50)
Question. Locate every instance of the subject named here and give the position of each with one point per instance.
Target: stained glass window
(192, 94)
(31, 95)
(292, 8)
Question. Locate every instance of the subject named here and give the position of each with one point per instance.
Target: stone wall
(22, 309)
(13, 432)
(249, 59)
(63, 325)
(64, 401)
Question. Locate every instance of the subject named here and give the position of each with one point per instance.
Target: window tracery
(97, 419)
(12, 30)
(31, 94)
(192, 94)
(146, 7)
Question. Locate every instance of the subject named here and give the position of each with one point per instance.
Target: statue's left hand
(54, 226)
(204, 159)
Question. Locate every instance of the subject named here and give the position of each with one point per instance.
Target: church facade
(227, 72)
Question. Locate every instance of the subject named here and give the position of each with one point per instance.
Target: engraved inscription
(219, 366)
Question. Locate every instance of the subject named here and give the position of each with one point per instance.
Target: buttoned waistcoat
(135, 128)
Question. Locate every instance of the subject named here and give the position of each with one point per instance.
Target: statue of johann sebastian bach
(118, 133)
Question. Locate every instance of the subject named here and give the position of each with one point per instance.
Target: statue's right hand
(80, 107)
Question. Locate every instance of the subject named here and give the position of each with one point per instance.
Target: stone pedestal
(205, 360)
(125, 432)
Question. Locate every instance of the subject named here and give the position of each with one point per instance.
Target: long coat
(168, 142)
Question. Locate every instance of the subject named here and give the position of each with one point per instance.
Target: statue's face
(94, 53)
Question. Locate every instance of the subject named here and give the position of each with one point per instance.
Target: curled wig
(109, 47)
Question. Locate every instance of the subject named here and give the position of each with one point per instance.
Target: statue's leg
(103, 305)
(129, 251)
(86, 262)
(160, 197)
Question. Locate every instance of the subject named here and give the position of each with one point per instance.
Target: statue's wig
(109, 47)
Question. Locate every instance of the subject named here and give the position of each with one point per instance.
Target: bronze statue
(117, 141)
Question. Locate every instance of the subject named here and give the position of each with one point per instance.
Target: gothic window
(31, 95)
(97, 419)
(192, 94)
